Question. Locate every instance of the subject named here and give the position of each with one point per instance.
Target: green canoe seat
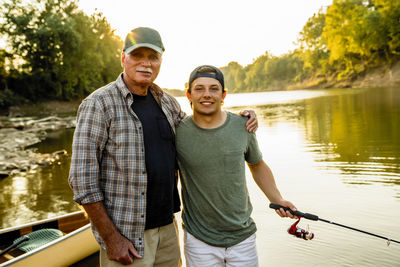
(38, 238)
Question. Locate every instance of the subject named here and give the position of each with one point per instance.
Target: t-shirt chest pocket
(233, 161)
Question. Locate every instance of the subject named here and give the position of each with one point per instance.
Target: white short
(200, 254)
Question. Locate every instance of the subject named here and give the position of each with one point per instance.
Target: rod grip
(297, 213)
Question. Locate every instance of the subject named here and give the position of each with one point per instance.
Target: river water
(334, 153)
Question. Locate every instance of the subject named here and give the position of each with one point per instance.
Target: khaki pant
(161, 248)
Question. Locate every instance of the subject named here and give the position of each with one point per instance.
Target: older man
(123, 161)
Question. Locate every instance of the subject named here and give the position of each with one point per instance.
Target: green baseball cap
(143, 37)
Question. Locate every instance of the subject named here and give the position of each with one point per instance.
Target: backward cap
(143, 37)
(217, 75)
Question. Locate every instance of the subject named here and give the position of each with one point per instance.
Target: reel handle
(296, 213)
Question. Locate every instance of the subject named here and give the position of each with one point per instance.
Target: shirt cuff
(88, 198)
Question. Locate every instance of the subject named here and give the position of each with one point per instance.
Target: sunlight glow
(210, 32)
(19, 185)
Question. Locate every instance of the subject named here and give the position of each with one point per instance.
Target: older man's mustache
(148, 70)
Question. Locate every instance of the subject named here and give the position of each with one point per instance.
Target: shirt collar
(122, 87)
(154, 89)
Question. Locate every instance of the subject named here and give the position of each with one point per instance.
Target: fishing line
(316, 218)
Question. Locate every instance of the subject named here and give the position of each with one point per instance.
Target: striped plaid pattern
(108, 160)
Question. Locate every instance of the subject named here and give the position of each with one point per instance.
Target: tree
(3, 71)
(256, 78)
(342, 33)
(56, 51)
(313, 50)
(361, 34)
(389, 11)
(283, 69)
(341, 41)
(234, 75)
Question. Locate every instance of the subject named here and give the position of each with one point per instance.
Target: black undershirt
(160, 155)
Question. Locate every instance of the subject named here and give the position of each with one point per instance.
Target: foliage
(265, 72)
(342, 40)
(356, 35)
(55, 51)
(3, 71)
(234, 77)
(313, 51)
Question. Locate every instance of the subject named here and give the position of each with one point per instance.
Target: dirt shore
(377, 77)
(44, 109)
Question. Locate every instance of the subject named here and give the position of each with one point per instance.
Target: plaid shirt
(108, 160)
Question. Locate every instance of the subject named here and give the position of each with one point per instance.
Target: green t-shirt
(216, 203)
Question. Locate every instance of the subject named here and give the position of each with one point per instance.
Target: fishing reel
(299, 232)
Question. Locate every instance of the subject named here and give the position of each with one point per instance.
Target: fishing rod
(316, 218)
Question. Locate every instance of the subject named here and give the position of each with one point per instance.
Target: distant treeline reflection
(356, 133)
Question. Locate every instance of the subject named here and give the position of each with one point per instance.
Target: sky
(213, 32)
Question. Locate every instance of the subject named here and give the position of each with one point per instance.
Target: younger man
(212, 146)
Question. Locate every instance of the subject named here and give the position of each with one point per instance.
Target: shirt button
(142, 216)
(142, 195)
(144, 172)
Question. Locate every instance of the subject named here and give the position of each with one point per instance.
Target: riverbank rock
(17, 135)
(24, 160)
(48, 123)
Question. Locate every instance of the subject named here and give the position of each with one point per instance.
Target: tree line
(54, 51)
(341, 41)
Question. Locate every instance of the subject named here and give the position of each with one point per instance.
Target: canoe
(74, 243)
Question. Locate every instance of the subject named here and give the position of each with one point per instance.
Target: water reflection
(354, 134)
(42, 192)
(335, 153)
(357, 134)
